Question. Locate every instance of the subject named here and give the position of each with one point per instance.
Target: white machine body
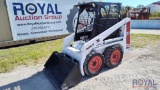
(80, 49)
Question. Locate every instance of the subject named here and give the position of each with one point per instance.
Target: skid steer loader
(100, 38)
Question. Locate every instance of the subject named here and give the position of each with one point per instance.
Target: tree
(155, 15)
(136, 9)
(140, 6)
(124, 10)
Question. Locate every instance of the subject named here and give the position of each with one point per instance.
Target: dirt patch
(142, 63)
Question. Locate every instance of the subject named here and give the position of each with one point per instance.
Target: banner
(41, 18)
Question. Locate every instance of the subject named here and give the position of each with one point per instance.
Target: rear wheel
(93, 64)
(113, 56)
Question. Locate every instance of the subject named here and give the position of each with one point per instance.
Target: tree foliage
(155, 15)
(124, 10)
(140, 6)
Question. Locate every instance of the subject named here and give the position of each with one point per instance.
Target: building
(154, 7)
(156, 3)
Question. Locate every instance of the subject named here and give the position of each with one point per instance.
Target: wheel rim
(115, 57)
(95, 64)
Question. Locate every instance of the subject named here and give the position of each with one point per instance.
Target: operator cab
(96, 17)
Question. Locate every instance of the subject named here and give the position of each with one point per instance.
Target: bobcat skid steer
(100, 38)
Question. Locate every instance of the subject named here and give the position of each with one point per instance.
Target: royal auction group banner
(41, 18)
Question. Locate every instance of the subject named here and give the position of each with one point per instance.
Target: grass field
(26, 55)
(142, 40)
(32, 54)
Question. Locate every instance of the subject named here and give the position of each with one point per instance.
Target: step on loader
(101, 37)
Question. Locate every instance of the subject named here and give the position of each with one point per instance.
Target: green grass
(34, 53)
(29, 54)
(142, 40)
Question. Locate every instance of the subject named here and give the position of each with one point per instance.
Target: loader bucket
(62, 71)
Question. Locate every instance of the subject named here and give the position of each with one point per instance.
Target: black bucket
(62, 71)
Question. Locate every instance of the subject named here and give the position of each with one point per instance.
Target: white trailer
(27, 21)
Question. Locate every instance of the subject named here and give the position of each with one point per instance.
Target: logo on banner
(46, 11)
(31, 8)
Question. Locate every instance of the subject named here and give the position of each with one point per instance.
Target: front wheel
(113, 56)
(93, 64)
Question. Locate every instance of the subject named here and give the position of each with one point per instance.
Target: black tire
(113, 56)
(90, 65)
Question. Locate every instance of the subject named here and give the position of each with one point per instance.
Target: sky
(133, 3)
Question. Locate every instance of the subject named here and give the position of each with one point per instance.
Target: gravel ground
(140, 63)
(146, 31)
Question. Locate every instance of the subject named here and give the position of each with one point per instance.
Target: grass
(32, 54)
(142, 40)
(25, 55)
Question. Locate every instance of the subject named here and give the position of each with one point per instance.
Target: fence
(145, 24)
